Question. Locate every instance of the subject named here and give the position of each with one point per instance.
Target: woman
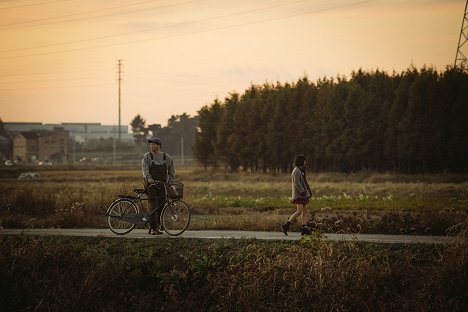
(301, 193)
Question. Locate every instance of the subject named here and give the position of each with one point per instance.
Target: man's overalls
(157, 191)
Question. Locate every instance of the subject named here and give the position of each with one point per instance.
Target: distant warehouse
(77, 131)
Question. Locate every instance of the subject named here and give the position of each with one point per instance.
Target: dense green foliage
(415, 121)
(96, 274)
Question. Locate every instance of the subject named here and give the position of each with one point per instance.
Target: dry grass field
(361, 202)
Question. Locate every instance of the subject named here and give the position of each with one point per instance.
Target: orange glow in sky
(58, 58)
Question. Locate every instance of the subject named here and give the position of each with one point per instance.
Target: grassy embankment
(360, 202)
(77, 274)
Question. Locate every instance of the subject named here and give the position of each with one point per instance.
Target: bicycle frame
(138, 199)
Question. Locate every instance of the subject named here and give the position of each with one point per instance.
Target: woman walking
(301, 193)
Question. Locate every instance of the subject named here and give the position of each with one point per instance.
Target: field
(98, 274)
(346, 203)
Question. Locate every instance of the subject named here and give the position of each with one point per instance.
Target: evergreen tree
(205, 143)
(226, 134)
(396, 138)
(139, 129)
(453, 99)
(414, 121)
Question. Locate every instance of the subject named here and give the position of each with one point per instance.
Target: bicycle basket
(175, 190)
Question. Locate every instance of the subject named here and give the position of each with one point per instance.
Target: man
(156, 166)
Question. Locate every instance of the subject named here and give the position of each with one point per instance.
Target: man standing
(157, 166)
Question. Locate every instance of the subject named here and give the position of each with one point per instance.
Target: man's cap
(155, 140)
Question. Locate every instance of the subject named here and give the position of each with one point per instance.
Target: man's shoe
(285, 228)
(156, 232)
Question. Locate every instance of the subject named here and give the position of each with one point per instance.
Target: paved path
(140, 233)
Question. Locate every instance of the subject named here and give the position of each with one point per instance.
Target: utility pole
(182, 160)
(460, 58)
(114, 147)
(120, 80)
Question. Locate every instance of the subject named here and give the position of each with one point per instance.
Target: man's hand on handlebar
(152, 181)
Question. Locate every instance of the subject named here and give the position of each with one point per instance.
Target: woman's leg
(305, 230)
(304, 215)
(299, 211)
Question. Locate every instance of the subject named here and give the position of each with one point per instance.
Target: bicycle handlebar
(154, 183)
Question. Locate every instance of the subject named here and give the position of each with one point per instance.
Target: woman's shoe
(285, 228)
(305, 230)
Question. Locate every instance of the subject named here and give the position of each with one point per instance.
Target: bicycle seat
(139, 190)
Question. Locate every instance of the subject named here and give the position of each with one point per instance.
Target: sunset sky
(58, 58)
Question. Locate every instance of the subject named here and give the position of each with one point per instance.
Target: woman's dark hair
(299, 160)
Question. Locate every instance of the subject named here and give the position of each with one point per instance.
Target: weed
(72, 274)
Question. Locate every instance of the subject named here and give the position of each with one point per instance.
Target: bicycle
(125, 212)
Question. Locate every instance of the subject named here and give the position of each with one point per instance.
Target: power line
(32, 4)
(44, 80)
(38, 21)
(193, 32)
(48, 73)
(155, 28)
(94, 85)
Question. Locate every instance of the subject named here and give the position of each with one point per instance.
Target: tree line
(177, 136)
(413, 121)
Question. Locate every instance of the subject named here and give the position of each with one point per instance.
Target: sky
(59, 58)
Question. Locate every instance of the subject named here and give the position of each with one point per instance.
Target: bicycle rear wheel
(117, 209)
(175, 218)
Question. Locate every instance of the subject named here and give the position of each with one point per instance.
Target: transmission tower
(460, 58)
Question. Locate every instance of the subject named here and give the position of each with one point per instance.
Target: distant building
(17, 127)
(78, 131)
(25, 147)
(41, 146)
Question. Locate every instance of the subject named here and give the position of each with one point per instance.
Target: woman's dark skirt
(301, 201)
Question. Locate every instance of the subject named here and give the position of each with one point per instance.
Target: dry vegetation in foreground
(78, 274)
(354, 203)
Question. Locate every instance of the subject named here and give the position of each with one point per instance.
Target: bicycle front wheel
(116, 211)
(175, 218)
